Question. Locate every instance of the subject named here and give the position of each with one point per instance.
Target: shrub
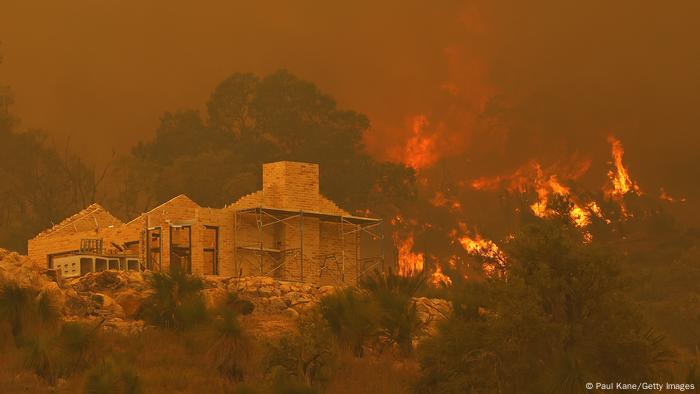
(176, 301)
(15, 306)
(52, 356)
(229, 346)
(307, 356)
(110, 377)
(352, 318)
(393, 295)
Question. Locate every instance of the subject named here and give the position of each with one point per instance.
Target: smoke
(479, 87)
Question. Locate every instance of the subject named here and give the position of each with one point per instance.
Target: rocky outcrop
(114, 298)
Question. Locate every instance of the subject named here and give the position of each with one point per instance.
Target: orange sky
(498, 83)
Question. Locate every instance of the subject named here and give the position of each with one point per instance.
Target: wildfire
(441, 200)
(420, 149)
(620, 178)
(410, 263)
(666, 197)
(438, 279)
(545, 183)
(492, 256)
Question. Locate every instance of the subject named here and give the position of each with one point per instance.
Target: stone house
(287, 230)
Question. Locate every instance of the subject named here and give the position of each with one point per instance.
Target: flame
(420, 149)
(666, 197)
(492, 256)
(620, 178)
(441, 200)
(439, 279)
(410, 263)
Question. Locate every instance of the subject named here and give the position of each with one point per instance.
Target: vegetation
(176, 301)
(561, 308)
(393, 295)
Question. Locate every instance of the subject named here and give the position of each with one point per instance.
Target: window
(154, 243)
(211, 250)
(132, 265)
(100, 265)
(181, 248)
(86, 265)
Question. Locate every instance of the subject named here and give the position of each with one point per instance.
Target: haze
(555, 78)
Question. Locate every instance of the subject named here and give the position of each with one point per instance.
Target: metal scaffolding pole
(301, 243)
(260, 238)
(358, 238)
(342, 250)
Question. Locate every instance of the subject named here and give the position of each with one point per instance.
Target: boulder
(290, 313)
(131, 301)
(268, 291)
(277, 304)
(296, 297)
(215, 297)
(107, 306)
(56, 295)
(123, 327)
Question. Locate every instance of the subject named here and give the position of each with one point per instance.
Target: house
(287, 230)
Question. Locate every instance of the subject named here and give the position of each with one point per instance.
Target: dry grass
(385, 373)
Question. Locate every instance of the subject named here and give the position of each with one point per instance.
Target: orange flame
(487, 250)
(620, 178)
(441, 200)
(410, 263)
(420, 149)
(666, 197)
(439, 279)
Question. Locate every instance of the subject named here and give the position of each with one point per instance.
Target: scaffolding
(290, 261)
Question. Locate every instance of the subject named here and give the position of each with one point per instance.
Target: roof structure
(90, 218)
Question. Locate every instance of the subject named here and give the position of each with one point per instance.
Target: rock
(102, 281)
(215, 297)
(56, 295)
(290, 313)
(267, 291)
(79, 306)
(107, 305)
(123, 327)
(326, 290)
(131, 301)
(285, 288)
(260, 281)
(277, 304)
(295, 298)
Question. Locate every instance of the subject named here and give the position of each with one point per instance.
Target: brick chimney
(291, 185)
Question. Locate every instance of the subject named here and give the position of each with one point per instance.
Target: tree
(558, 319)
(253, 120)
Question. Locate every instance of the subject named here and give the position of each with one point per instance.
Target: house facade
(287, 230)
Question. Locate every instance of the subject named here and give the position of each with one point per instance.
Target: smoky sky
(497, 82)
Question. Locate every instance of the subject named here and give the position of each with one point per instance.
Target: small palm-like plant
(15, 303)
(110, 377)
(393, 294)
(76, 343)
(176, 301)
(40, 357)
(229, 347)
(352, 318)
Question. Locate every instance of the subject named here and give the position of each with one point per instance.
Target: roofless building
(287, 230)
